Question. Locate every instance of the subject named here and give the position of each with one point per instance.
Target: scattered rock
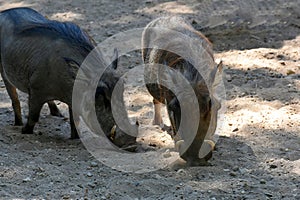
(167, 154)
(27, 179)
(89, 174)
(272, 166)
(235, 168)
(232, 174)
(94, 164)
(290, 72)
(92, 185)
(66, 197)
(268, 194)
(235, 130)
(262, 181)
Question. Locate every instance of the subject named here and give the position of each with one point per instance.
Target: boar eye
(209, 104)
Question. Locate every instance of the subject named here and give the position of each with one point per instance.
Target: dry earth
(257, 154)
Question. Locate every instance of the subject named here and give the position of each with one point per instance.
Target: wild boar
(161, 39)
(41, 57)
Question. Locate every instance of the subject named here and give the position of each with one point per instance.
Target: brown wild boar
(160, 39)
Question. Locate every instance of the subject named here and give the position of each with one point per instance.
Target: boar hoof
(130, 148)
(74, 135)
(197, 162)
(18, 123)
(208, 156)
(56, 114)
(27, 130)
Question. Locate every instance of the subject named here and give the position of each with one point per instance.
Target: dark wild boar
(41, 57)
(158, 38)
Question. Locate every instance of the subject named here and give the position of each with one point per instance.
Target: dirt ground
(257, 154)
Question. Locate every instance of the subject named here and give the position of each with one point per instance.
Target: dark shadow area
(228, 24)
(241, 38)
(246, 25)
(262, 83)
(273, 143)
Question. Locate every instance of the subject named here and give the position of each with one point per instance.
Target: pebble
(89, 174)
(66, 197)
(243, 170)
(235, 168)
(157, 176)
(92, 185)
(232, 174)
(272, 166)
(235, 130)
(181, 171)
(262, 181)
(94, 164)
(268, 194)
(27, 179)
(167, 154)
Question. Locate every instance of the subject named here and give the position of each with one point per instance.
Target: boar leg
(74, 133)
(191, 155)
(12, 92)
(54, 111)
(157, 113)
(35, 105)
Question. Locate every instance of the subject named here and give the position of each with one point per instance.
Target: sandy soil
(257, 154)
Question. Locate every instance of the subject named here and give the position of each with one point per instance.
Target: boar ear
(102, 90)
(74, 66)
(71, 62)
(216, 75)
(114, 64)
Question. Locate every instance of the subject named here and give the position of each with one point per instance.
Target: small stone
(27, 179)
(157, 176)
(290, 72)
(272, 166)
(167, 154)
(235, 168)
(89, 174)
(94, 164)
(92, 185)
(181, 171)
(226, 170)
(232, 174)
(66, 197)
(243, 170)
(282, 63)
(262, 181)
(235, 130)
(268, 194)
